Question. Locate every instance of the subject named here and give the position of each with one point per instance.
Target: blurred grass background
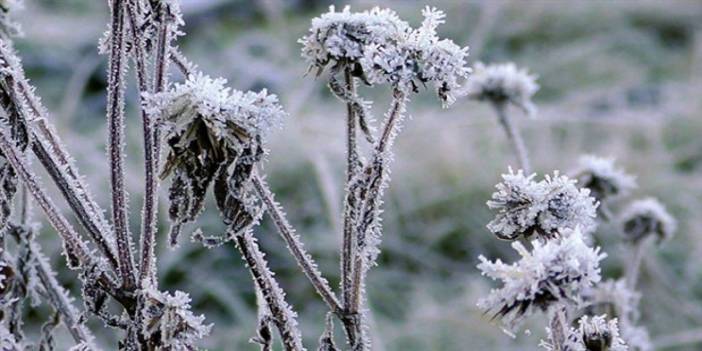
(618, 78)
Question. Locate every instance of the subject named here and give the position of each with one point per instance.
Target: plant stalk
(514, 136)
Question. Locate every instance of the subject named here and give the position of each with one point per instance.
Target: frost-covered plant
(647, 218)
(592, 334)
(603, 178)
(526, 207)
(210, 130)
(8, 26)
(554, 273)
(501, 85)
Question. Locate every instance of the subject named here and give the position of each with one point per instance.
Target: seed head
(604, 180)
(503, 83)
(592, 334)
(525, 207)
(646, 217)
(556, 271)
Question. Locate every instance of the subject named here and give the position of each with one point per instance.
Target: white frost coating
(8, 26)
(7, 340)
(502, 83)
(645, 217)
(592, 333)
(218, 106)
(525, 206)
(169, 316)
(556, 271)
(603, 178)
(379, 48)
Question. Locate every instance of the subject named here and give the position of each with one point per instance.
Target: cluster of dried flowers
(560, 274)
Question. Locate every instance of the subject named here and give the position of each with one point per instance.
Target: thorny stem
(149, 213)
(347, 251)
(283, 317)
(287, 232)
(514, 136)
(115, 121)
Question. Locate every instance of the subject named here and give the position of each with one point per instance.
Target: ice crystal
(525, 206)
(602, 177)
(556, 271)
(212, 130)
(646, 217)
(592, 334)
(377, 47)
(503, 83)
(168, 318)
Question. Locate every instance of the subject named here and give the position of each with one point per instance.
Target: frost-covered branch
(282, 314)
(295, 245)
(116, 70)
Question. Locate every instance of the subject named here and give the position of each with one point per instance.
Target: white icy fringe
(218, 106)
(169, 316)
(503, 83)
(526, 207)
(596, 333)
(556, 271)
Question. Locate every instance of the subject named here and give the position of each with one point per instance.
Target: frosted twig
(514, 136)
(292, 239)
(558, 325)
(147, 264)
(281, 312)
(115, 125)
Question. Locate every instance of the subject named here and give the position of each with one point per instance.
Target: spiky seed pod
(555, 271)
(167, 318)
(212, 130)
(526, 207)
(647, 217)
(604, 180)
(503, 83)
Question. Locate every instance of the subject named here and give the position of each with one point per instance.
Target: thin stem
(115, 122)
(71, 238)
(59, 298)
(147, 264)
(633, 266)
(181, 62)
(514, 136)
(292, 239)
(283, 316)
(558, 324)
(347, 250)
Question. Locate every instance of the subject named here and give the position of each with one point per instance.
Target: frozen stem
(115, 125)
(352, 164)
(558, 325)
(633, 266)
(281, 313)
(514, 136)
(292, 239)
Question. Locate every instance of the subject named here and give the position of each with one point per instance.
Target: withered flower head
(213, 130)
(555, 271)
(503, 83)
(647, 217)
(592, 334)
(604, 180)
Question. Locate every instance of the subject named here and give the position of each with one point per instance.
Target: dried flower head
(525, 207)
(556, 271)
(604, 180)
(212, 129)
(419, 57)
(636, 337)
(592, 334)
(341, 38)
(614, 298)
(647, 217)
(377, 47)
(503, 83)
(167, 317)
